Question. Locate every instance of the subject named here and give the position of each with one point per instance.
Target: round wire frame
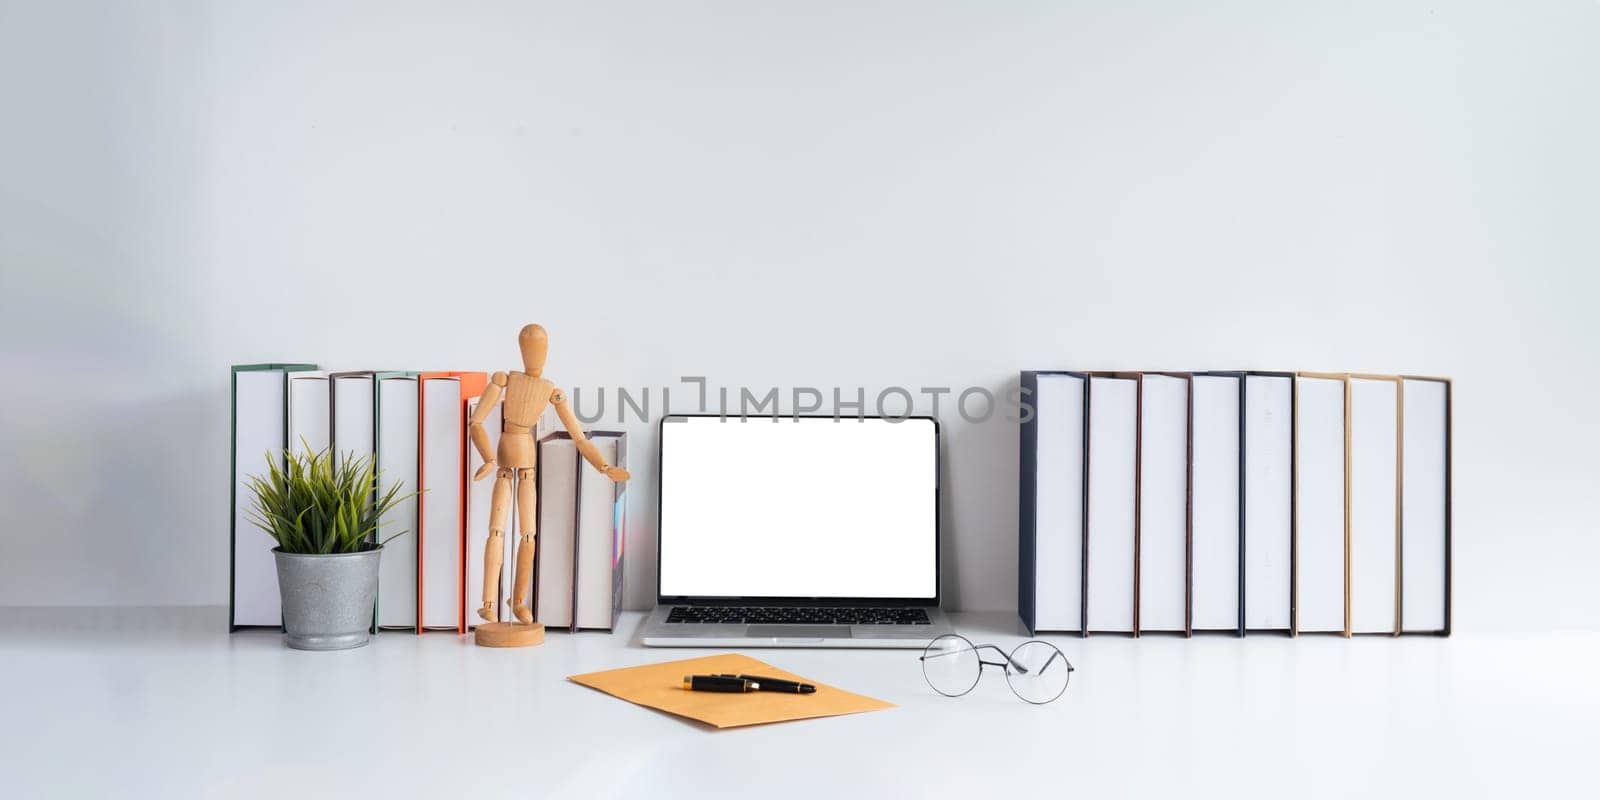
(932, 651)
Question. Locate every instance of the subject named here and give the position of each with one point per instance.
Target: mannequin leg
(527, 519)
(494, 551)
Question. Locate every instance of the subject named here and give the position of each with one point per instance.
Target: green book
(260, 430)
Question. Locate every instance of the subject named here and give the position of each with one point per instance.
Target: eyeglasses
(953, 665)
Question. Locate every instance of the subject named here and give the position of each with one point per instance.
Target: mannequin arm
(480, 437)
(590, 453)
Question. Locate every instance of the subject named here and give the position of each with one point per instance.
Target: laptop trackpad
(799, 631)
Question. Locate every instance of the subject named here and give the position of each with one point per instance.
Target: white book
(1163, 503)
(1058, 503)
(308, 412)
(1215, 513)
(557, 476)
(397, 466)
(258, 435)
(1320, 504)
(600, 506)
(1113, 410)
(480, 497)
(1374, 504)
(1268, 501)
(352, 424)
(353, 432)
(440, 477)
(1425, 506)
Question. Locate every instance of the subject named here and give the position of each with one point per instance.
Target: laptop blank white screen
(809, 507)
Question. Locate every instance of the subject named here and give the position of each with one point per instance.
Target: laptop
(797, 532)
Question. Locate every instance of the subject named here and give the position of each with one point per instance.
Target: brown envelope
(660, 686)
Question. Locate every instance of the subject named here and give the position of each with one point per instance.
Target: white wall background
(782, 193)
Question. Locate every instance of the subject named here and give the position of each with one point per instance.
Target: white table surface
(163, 703)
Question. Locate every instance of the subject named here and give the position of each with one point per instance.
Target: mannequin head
(535, 344)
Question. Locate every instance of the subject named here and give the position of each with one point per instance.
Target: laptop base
(657, 632)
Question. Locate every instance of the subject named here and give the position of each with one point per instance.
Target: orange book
(442, 443)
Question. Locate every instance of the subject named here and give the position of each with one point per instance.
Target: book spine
(1083, 533)
(1138, 490)
(1188, 506)
(577, 525)
(1027, 499)
(1083, 560)
(422, 491)
(233, 499)
(465, 479)
(1242, 478)
(619, 533)
(539, 531)
(1448, 573)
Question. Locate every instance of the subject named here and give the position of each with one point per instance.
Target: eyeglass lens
(950, 663)
(1038, 672)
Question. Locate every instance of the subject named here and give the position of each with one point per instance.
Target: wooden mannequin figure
(526, 395)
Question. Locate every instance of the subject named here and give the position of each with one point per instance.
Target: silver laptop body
(797, 532)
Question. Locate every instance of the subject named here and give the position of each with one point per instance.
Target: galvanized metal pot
(328, 599)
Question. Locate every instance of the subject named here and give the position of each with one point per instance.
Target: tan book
(1373, 514)
(1321, 503)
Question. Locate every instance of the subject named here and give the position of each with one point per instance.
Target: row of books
(1179, 502)
(414, 425)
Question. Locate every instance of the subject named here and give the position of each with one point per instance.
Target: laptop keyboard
(780, 615)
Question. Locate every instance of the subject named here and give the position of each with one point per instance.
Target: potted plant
(324, 516)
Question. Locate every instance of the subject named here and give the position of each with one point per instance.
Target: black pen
(775, 684)
(719, 683)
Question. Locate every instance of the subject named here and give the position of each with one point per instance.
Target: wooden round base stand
(508, 634)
